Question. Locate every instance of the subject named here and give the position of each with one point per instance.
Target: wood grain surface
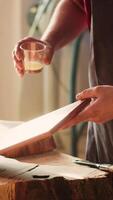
(52, 176)
(36, 134)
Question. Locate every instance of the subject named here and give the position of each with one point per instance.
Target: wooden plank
(33, 132)
(35, 147)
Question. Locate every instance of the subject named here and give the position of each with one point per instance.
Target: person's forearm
(67, 22)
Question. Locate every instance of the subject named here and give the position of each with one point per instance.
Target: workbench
(51, 175)
(54, 176)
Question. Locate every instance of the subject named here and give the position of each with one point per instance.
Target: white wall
(17, 101)
(9, 33)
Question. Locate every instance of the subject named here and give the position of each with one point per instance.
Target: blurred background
(22, 99)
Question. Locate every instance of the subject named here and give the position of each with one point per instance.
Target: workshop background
(22, 99)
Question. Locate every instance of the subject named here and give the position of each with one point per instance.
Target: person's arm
(68, 20)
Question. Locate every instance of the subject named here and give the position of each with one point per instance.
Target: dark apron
(99, 146)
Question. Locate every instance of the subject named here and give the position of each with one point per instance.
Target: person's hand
(18, 54)
(100, 109)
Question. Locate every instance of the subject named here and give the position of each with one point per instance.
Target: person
(69, 19)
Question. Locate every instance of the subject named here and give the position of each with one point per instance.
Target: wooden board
(35, 147)
(52, 176)
(38, 132)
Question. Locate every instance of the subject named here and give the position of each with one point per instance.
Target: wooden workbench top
(52, 176)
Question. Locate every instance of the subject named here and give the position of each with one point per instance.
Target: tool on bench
(103, 167)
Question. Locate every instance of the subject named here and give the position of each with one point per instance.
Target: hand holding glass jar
(31, 55)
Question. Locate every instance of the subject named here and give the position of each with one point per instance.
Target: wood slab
(35, 147)
(37, 133)
(52, 176)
